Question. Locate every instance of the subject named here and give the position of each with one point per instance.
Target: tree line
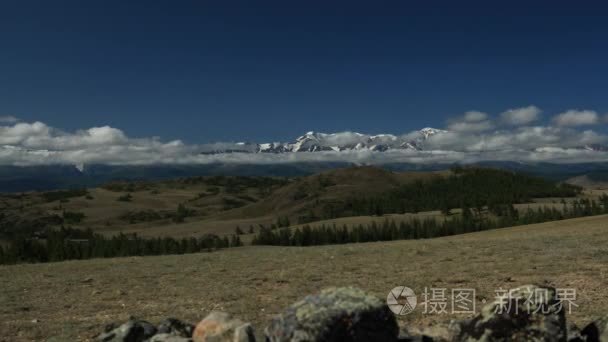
(471, 187)
(68, 243)
(469, 220)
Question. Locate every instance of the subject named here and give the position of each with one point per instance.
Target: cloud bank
(471, 137)
(520, 116)
(472, 121)
(8, 119)
(577, 118)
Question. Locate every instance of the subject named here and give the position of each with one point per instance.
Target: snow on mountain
(337, 142)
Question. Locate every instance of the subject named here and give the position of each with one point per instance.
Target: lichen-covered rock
(168, 338)
(433, 333)
(220, 327)
(415, 336)
(335, 314)
(527, 313)
(596, 330)
(574, 333)
(132, 331)
(175, 327)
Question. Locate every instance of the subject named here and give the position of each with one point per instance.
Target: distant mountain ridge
(346, 141)
(337, 142)
(62, 176)
(58, 176)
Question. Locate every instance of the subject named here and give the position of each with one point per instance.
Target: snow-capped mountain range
(344, 141)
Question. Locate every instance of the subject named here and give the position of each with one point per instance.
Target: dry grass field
(72, 300)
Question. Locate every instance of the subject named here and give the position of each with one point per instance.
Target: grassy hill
(72, 300)
(590, 181)
(218, 205)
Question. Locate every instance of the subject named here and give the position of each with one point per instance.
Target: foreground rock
(134, 330)
(175, 327)
(220, 327)
(527, 313)
(336, 314)
(596, 331)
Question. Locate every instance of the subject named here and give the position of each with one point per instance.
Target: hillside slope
(312, 192)
(199, 205)
(254, 283)
(216, 204)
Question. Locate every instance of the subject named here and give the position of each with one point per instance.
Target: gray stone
(169, 338)
(221, 327)
(528, 313)
(574, 333)
(407, 336)
(596, 330)
(335, 314)
(132, 331)
(175, 327)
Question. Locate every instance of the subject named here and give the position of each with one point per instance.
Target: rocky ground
(526, 313)
(74, 300)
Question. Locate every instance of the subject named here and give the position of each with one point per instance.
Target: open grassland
(73, 300)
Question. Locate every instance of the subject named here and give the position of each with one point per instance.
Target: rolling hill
(218, 204)
(72, 300)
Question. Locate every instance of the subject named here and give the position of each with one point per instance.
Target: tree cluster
(470, 187)
(68, 243)
(469, 220)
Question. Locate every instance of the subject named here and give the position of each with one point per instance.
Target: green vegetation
(238, 231)
(67, 244)
(72, 217)
(60, 195)
(141, 216)
(125, 198)
(468, 221)
(231, 203)
(243, 182)
(283, 221)
(467, 187)
(181, 213)
(123, 186)
(472, 199)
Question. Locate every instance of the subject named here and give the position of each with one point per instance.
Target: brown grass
(73, 300)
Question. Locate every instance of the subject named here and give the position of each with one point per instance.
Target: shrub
(125, 198)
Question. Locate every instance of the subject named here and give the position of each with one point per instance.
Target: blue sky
(206, 71)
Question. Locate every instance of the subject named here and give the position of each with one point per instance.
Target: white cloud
(475, 116)
(472, 121)
(520, 116)
(8, 119)
(470, 138)
(521, 138)
(577, 118)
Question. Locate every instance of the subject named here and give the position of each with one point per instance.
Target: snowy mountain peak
(341, 141)
(428, 131)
